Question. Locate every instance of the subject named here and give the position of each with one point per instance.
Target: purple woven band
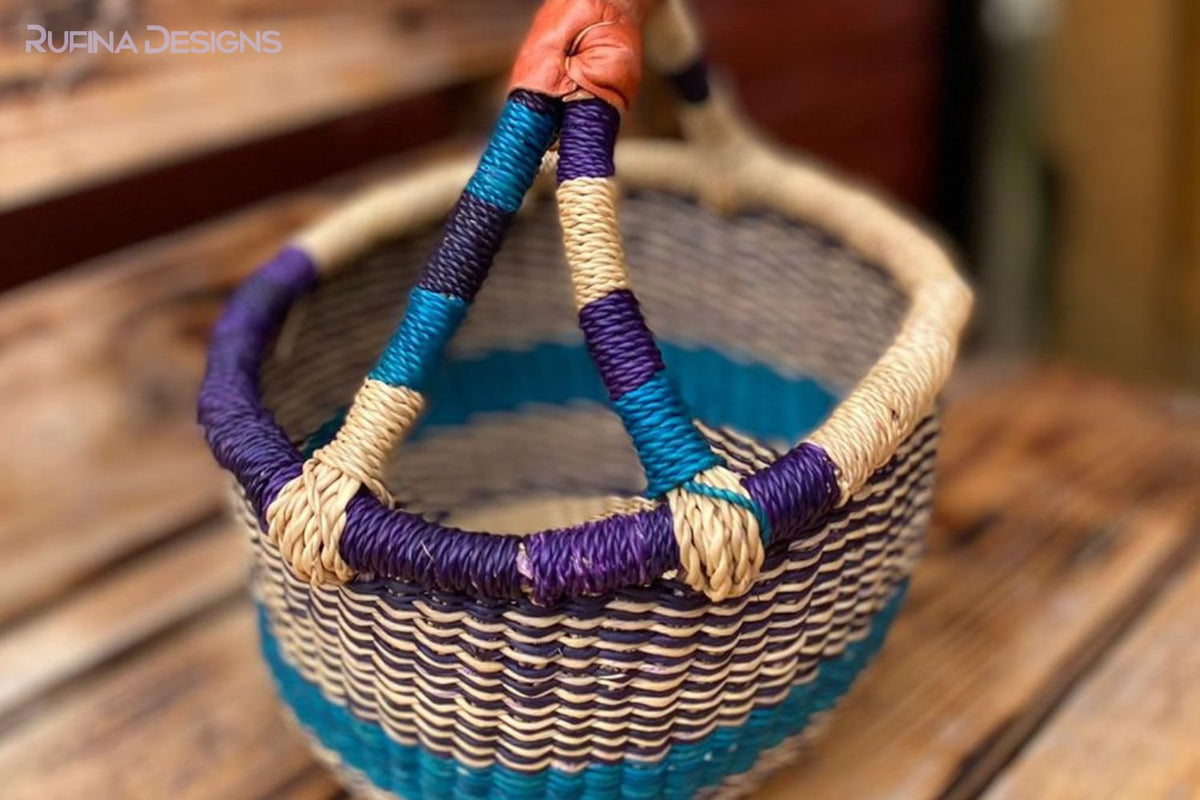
(620, 343)
(691, 84)
(470, 240)
(593, 558)
(587, 140)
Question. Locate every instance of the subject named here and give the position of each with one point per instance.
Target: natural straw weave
(567, 602)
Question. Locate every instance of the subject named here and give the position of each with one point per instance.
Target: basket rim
(818, 474)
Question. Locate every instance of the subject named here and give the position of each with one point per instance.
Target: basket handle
(708, 112)
(719, 528)
(308, 516)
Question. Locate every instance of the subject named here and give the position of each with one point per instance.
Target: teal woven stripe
(416, 346)
(720, 389)
(764, 524)
(414, 773)
(671, 450)
(513, 156)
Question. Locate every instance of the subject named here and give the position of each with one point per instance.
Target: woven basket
(540, 597)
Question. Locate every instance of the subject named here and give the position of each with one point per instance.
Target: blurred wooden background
(1124, 128)
(99, 151)
(1066, 167)
(1049, 647)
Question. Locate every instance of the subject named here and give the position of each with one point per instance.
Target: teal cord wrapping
(438, 304)
(513, 157)
(746, 502)
(429, 322)
(671, 449)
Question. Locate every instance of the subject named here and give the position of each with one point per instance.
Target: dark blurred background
(1054, 141)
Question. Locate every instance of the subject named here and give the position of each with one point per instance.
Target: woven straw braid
(379, 418)
(588, 211)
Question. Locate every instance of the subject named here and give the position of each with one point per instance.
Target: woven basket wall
(474, 692)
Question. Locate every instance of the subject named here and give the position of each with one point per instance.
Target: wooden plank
(98, 377)
(1185, 321)
(100, 143)
(1115, 88)
(135, 208)
(71, 122)
(193, 718)
(1133, 728)
(1063, 501)
(149, 595)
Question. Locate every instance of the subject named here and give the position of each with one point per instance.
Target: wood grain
(1185, 319)
(68, 122)
(1115, 88)
(191, 718)
(1133, 728)
(131, 604)
(1062, 503)
(98, 377)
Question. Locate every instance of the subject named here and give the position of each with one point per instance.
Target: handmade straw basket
(604, 563)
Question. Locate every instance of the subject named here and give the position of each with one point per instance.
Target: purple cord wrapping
(587, 140)
(620, 342)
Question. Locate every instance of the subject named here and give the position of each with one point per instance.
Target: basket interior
(764, 323)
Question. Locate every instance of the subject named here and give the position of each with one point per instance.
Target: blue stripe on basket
(429, 321)
(718, 388)
(415, 773)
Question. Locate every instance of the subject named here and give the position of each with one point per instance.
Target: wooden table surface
(1050, 647)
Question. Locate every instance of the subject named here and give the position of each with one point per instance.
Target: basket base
(734, 788)
(308, 709)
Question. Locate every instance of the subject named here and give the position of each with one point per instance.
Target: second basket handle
(674, 48)
(721, 531)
